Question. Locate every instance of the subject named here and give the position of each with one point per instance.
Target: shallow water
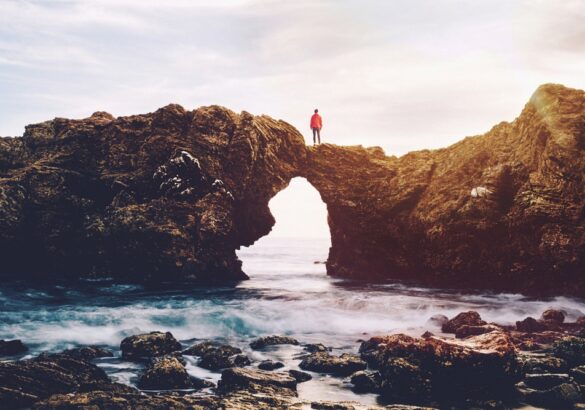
(288, 294)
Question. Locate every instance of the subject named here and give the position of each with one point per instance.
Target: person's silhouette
(316, 125)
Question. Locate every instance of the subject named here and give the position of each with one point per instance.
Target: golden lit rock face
(415, 217)
(170, 195)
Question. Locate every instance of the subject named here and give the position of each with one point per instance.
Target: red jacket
(316, 121)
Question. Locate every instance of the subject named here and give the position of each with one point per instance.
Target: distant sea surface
(288, 293)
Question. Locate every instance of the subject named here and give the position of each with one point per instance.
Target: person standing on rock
(316, 125)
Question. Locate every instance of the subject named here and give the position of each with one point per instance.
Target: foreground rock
(264, 341)
(12, 347)
(323, 362)
(166, 373)
(439, 371)
(471, 319)
(216, 356)
(172, 194)
(25, 382)
(257, 381)
(149, 345)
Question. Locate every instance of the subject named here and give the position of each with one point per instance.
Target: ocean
(288, 293)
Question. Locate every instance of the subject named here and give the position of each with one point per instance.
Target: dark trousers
(317, 133)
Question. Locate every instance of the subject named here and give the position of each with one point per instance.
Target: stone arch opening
(300, 235)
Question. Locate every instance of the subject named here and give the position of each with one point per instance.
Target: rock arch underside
(172, 194)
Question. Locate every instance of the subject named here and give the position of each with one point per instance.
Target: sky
(401, 74)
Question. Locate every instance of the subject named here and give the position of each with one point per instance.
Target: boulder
(217, 356)
(542, 364)
(531, 325)
(467, 330)
(87, 352)
(129, 400)
(148, 345)
(365, 381)
(168, 373)
(316, 347)
(323, 362)
(554, 316)
(571, 349)
(262, 342)
(546, 380)
(25, 382)
(438, 320)
(444, 370)
(300, 376)
(257, 381)
(12, 347)
(470, 318)
(558, 397)
(270, 365)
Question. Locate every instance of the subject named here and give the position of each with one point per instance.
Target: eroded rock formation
(170, 195)
(423, 216)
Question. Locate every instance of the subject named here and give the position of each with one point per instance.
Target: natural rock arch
(170, 195)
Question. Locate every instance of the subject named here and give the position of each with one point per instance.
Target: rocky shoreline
(468, 364)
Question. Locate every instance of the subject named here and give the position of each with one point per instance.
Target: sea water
(288, 293)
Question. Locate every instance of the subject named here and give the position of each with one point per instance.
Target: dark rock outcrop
(217, 356)
(25, 382)
(448, 372)
(147, 345)
(257, 381)
(168, 195)
(470, 318)
(12, 347)
(323, 362)
(504, 210)
(165, 373)
(270, 365)
(300, 376)
(172, 194)
(264, 341)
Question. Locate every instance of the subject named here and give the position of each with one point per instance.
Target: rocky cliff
(503, 210)
(170, 195)
(165, 196)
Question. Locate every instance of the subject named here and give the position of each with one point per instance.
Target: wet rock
(578, 373)
(270, 365)
(217, 357)
(12, 347)
(165, 373)
(427, 335)
(199, 348)
(404, 381)
(470, 318)
(300, 376)
(366, 381)
(542, 364)
(257, 381)
(438, 320)
(88, 352)
(531, 325)
(316, 347)
(554, 316)
(148, 345)
(561, 396)
(467, 330)
(323, 362)
(443, 370)
(136, 400)
(331, 405)
(571, 349)
(546, 381)
(25, 382)
(262, 342)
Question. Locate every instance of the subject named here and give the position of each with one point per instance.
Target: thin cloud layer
(404, 74)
